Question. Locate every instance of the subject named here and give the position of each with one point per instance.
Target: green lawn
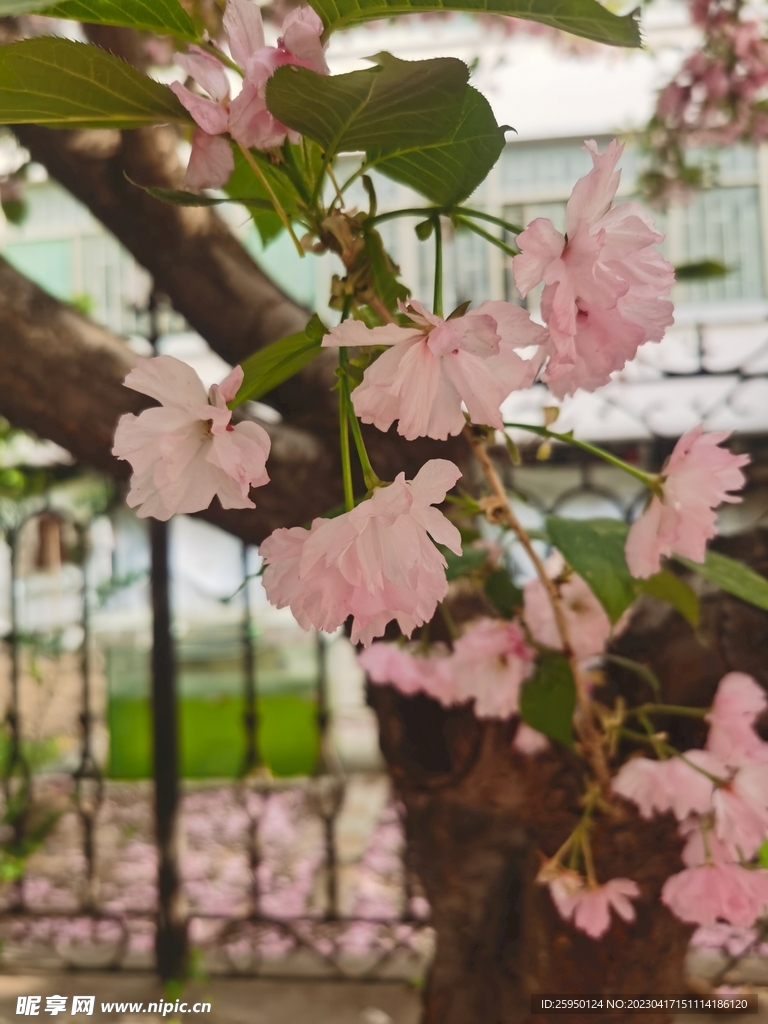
(212, 738)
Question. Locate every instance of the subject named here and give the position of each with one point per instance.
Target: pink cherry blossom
(741, 809)
(434, 366)
(590, 906)
(376, 563)
(697, 477)
(529, 741)
(245, 117)
(738, 702)
(187, 451)
(490, 663)
(603, 280)
(588, 625)
(673, 785)
(716, 892)
(411, 671)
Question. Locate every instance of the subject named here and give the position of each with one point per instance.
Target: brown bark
(479, 818)
(61, 377)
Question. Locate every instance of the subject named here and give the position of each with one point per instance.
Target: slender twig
(513, 229)
(586, 726)
(220, 55)
(668, 709)
(253, 164)
(649, 479)
(437, 302)
(346, 457)
(425, 212)
(510, 250)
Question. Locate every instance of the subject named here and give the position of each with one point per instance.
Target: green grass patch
(212, 738)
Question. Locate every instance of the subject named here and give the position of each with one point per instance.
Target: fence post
(171, 942)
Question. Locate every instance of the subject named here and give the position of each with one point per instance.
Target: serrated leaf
(418, 122)
(395, 104)
(731, 576)
(547, 701)
(270, 366)
(502, 593)
(595, 549)
(449, 169)
(585, 18)
(178, 197)
(165, 17)
(65, 84)
(670, 588)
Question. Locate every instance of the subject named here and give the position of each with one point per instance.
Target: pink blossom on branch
(590, 906)
(697, 477)
(588, 624)
(681, 784)
(738, 703)
(245, 117)
(411, 671)
(434, 366)
(488, 665)
(603, 280)
(187, 452)
(490, 662)
(375, 563)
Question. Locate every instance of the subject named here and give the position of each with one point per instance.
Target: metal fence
(310, 926)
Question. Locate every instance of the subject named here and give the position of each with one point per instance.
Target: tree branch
(62, 378)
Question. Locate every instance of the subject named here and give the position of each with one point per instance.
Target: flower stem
(346, 458)
(585, 726)
(513, 229)
(253, 164)
(668, 709)
(371, 480)
(437, 303)
(649, 479)
(220, 55)
(498, 242)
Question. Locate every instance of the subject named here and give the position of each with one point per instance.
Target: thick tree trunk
(479, 817)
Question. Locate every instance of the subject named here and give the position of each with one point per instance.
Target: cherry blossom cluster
(720, 797)
(384, 559)
(245, 117)
(716, 98)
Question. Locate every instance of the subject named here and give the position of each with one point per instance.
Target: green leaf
(670, 588)
(178, 197)
(701, 271)
(502, 593)
(762, 855)
(165, 17)
(395, 104)
(270, 366)
(547, 700)
(418, 122)
(449, 170)
(731, 576)
(244, 184)
(463, 564)
(384, 272)
(585, 18)
(595, 549)
(64, 84)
